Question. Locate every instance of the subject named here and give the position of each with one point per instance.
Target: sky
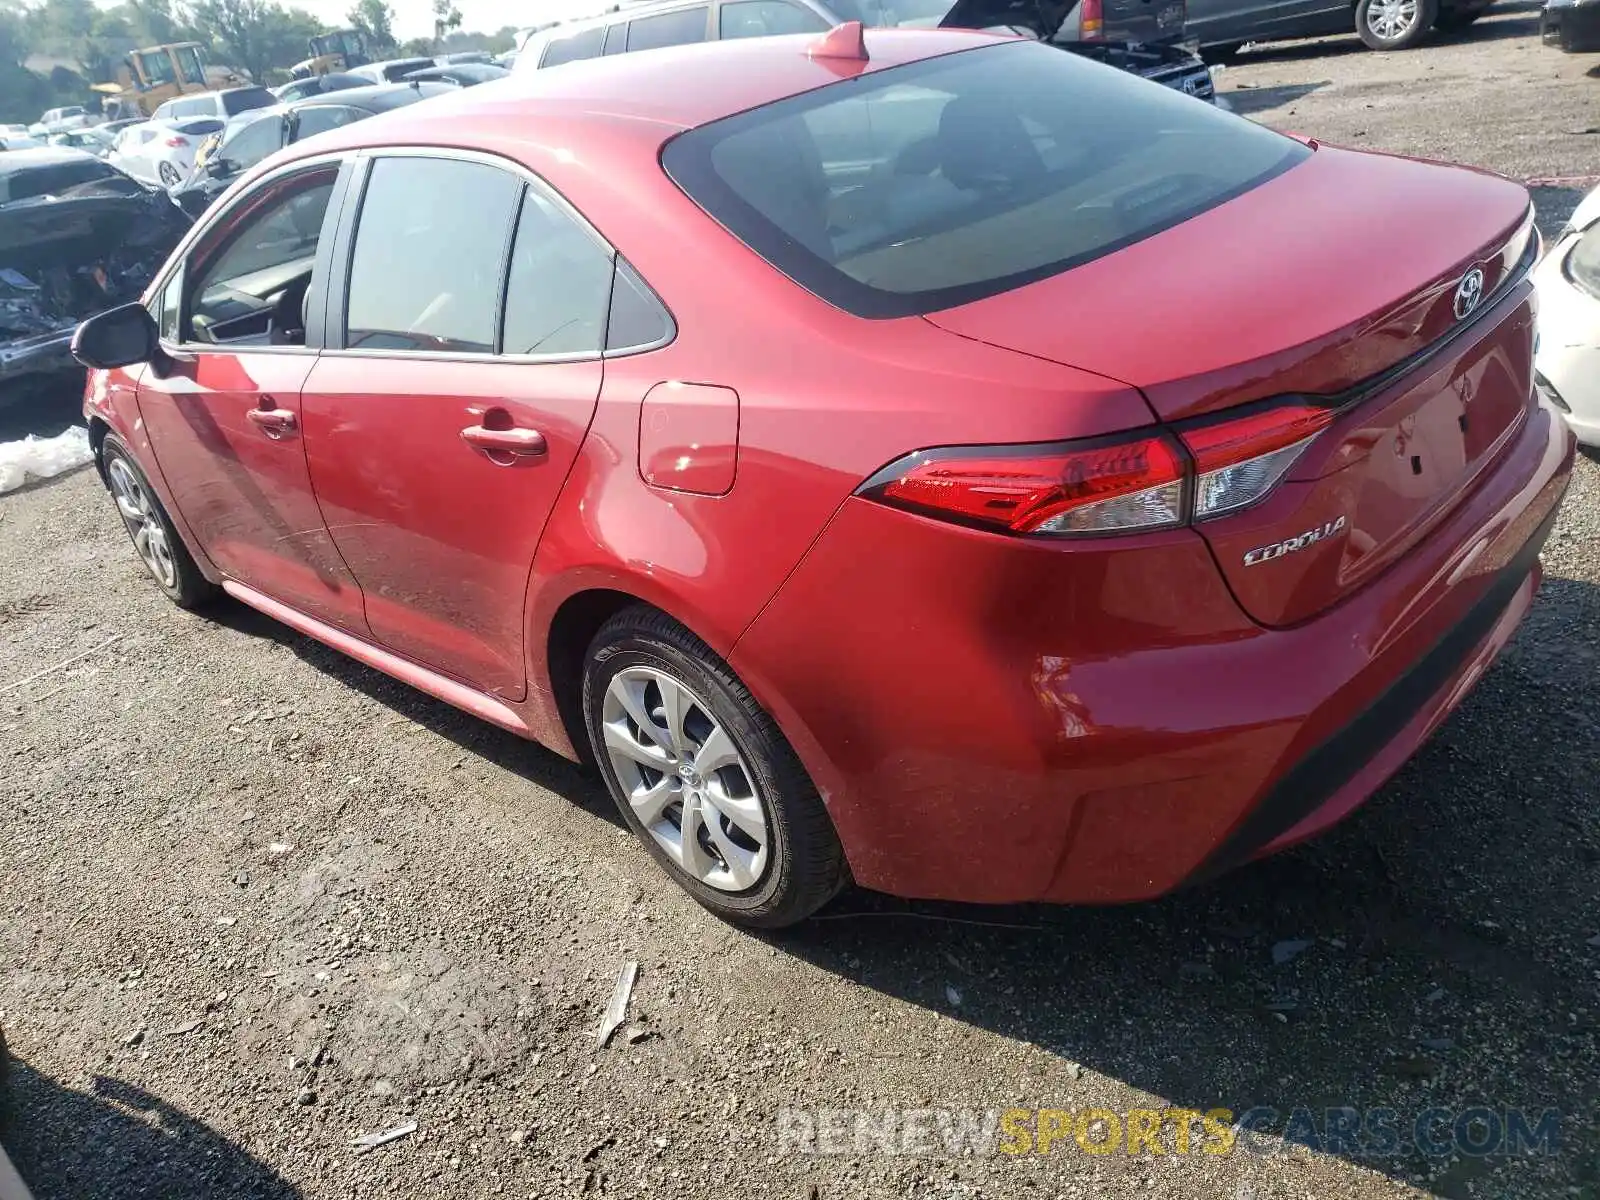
(414, 18)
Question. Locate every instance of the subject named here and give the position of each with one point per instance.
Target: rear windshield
(926, 186)
(245, 99)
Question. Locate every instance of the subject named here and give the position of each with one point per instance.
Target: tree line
(259, 39)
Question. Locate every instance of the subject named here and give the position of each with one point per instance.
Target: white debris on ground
(43, 458)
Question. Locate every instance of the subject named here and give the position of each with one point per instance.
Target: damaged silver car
(77, 237)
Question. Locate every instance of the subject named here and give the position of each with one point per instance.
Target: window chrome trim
(365, 158)
(240, 192)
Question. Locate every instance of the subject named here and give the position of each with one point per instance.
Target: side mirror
(218, 168)
(120, 337)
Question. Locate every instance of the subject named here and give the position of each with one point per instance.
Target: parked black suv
(1145, 37)
(1223, 26)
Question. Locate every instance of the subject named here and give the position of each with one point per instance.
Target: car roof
(378, 98)
(676, 87)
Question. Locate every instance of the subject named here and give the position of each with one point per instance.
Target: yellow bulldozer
(148, 78)
(333, 52)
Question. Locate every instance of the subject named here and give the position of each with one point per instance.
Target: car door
(133, 151)
(441, 422)
(223, 415)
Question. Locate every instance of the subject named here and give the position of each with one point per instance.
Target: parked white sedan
(161, 152)
(1568, 362)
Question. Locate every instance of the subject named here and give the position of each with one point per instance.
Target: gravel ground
(259, 900)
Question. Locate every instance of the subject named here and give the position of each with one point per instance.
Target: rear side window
(941, 182)
(429, 252)
(570, 49)
(680, 28)
(559, 287)
(764, 18)
(234, 103)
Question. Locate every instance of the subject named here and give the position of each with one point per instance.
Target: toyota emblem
(1469, 293)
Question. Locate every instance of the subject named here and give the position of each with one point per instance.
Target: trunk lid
(1337, 280)
(1124, 20)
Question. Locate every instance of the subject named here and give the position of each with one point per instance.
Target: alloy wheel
(1391, 19)
(144, 523)
(169, 175)
(685, 779)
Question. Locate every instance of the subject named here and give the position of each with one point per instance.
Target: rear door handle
(522, 443)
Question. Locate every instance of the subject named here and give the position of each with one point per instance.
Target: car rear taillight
(1091, 20)
(1091, 487)
(177, 142)
(1125, 484)
(1237, 461)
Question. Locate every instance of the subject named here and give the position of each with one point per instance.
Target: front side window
(560, 284)
(189, 64)
(312, 121)
(255, 272)
(254, 142)
(429, 256)
(681, 28)
(765, 18)
(938, 183)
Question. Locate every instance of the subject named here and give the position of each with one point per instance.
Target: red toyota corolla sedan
(934, 460)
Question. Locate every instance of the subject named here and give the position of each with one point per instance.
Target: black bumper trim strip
(1327, 768)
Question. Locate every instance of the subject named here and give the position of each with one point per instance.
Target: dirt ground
(259, 900)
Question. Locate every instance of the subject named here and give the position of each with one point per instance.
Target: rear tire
(1395, 24)
(749, 838)
(155, 539)
(169, 175)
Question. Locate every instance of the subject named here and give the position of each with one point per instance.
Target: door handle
(274, 422)
(521, 443)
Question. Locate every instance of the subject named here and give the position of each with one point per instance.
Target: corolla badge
(1469, 293)
(1310, 537)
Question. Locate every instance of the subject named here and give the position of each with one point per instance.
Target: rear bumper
(992, 720)
(1575, 28)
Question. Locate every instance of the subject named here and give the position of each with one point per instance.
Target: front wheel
(1395, 24)
(154, 539)
(703, 776)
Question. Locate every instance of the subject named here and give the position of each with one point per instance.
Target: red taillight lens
(1110, 485)
(1239, 460)
(177, 142)
(1091, 20)
(1099, 487)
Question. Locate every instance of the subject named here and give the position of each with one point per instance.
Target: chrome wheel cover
(685, 779)
(144, 525)
(1389, 19)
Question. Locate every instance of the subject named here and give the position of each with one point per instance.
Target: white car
(1568, 362)
(74, 116)
(161, 152)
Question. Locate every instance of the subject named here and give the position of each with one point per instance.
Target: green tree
(375, 19)
(255, 35)
(23, 95)
(446, 19)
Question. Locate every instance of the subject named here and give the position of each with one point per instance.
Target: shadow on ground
(1434, 955)
(121, 1141)
(532, 762)
(1247, 100)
